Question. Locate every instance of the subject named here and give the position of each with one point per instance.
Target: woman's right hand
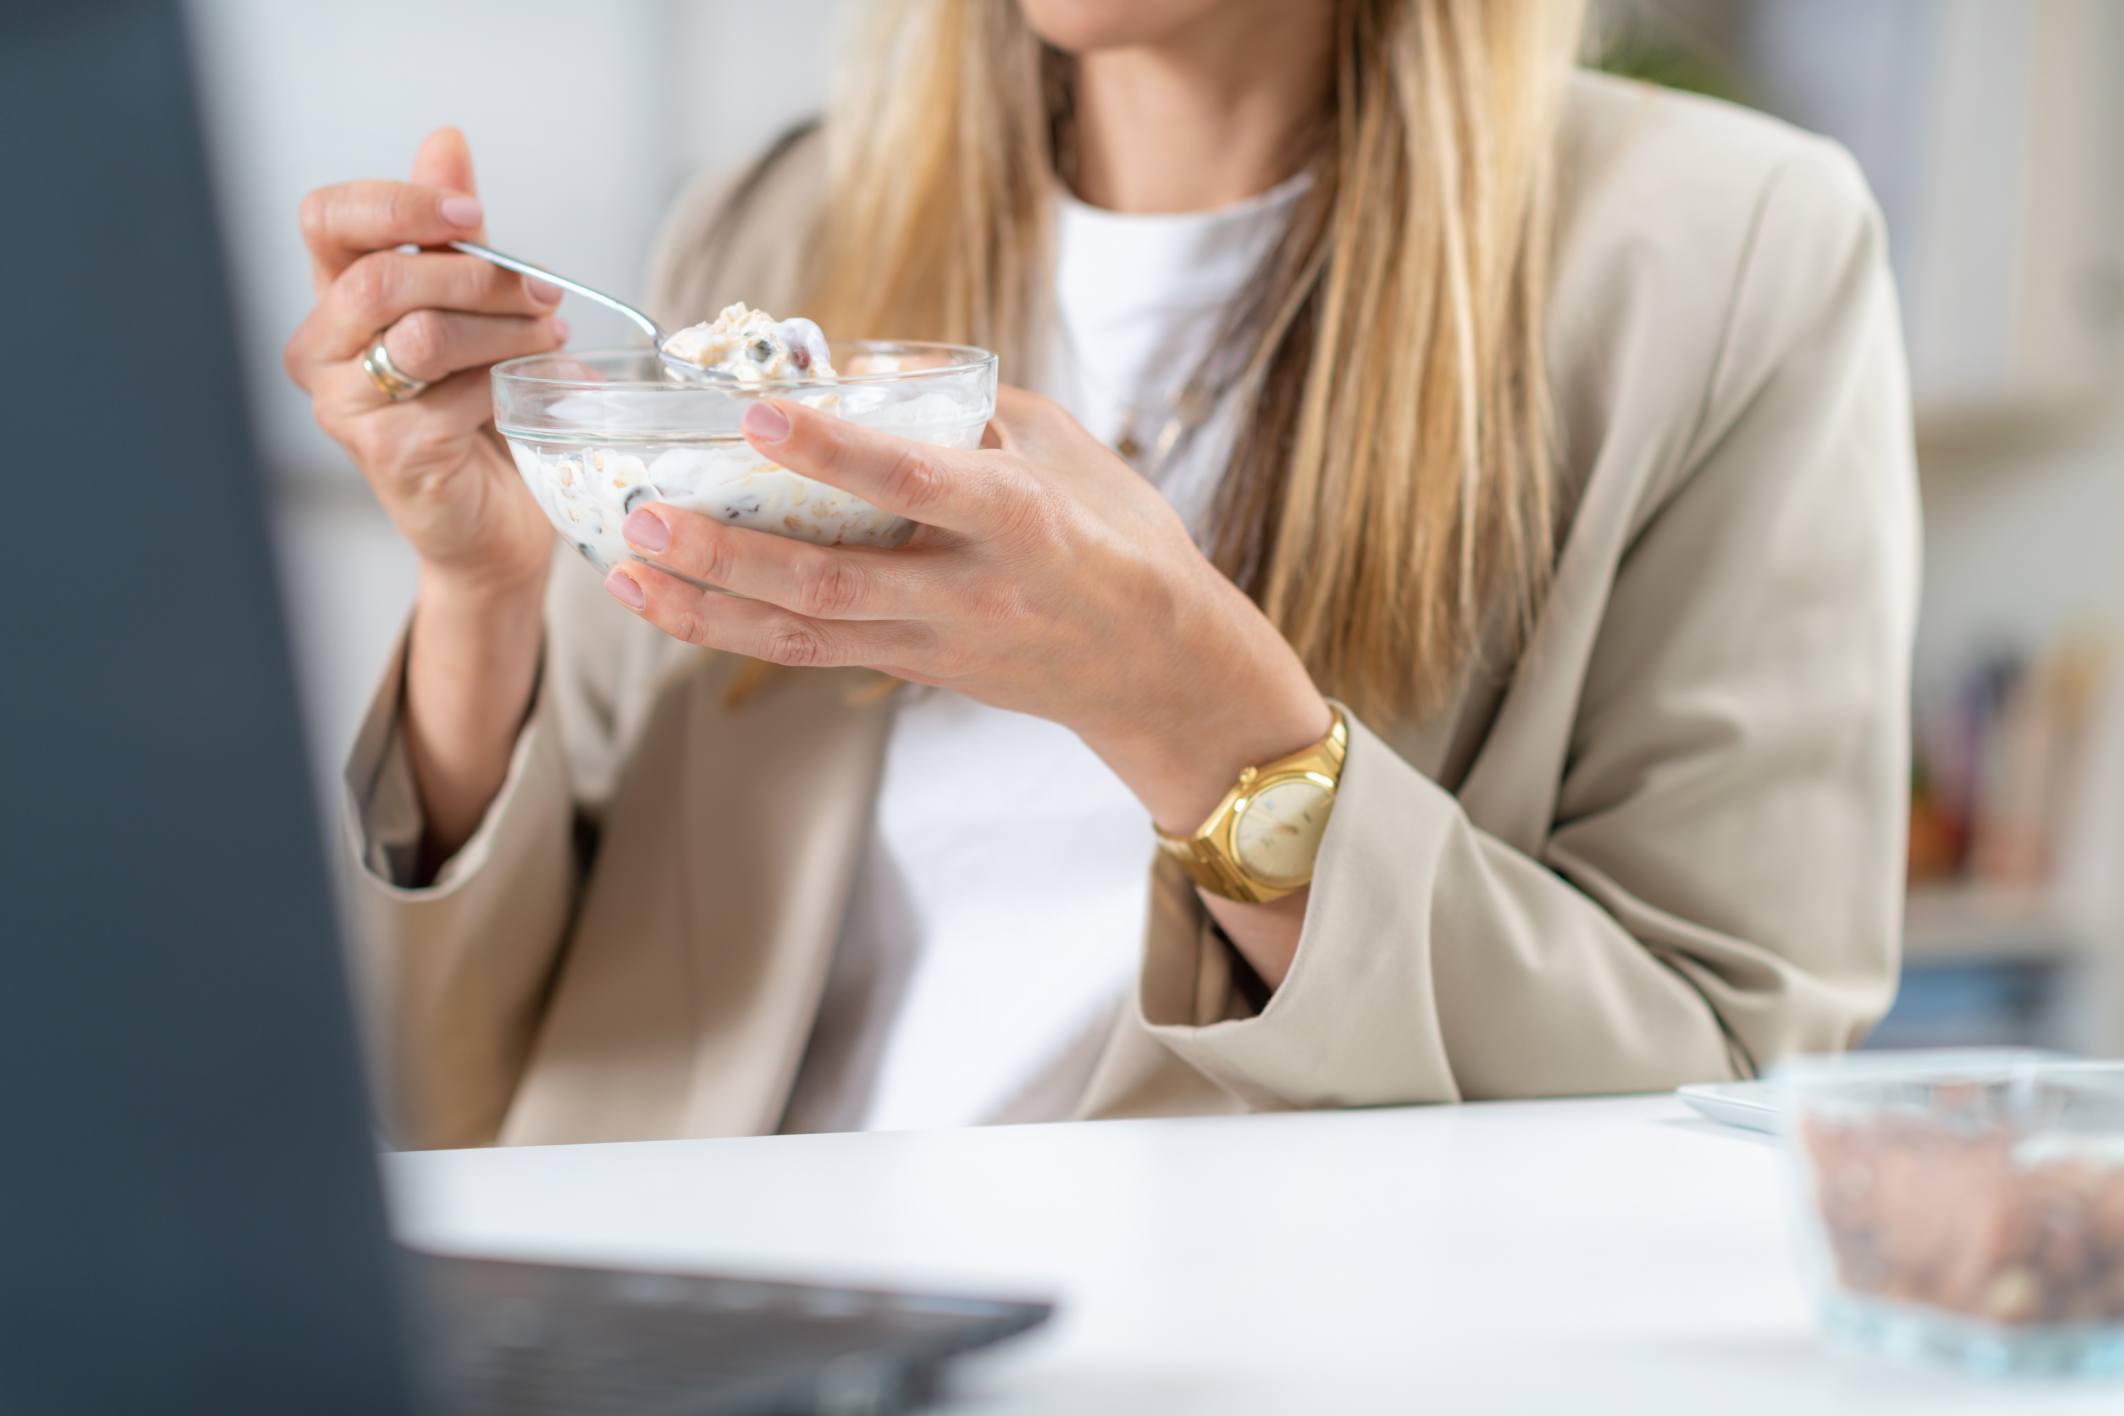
(433, 459)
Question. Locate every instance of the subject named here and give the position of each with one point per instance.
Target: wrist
(472, 653)
(471, 668)
(1181, 779)
(480, 596)
(1247, 700)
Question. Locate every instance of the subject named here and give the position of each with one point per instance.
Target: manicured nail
(624, 590)
(766, 422)
(560, 329)
(646, 530)
(543, 293)
(461, 211)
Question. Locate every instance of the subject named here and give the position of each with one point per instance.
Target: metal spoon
(691, 372)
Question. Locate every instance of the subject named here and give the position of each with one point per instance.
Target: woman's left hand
(1045, 576)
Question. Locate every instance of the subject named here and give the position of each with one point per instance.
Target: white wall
(2023, 537)
(584, 119)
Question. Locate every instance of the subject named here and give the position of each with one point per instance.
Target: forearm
(471, 667)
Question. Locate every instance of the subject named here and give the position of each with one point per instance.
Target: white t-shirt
(997, 916)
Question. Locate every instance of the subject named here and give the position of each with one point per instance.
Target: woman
(1525, 453)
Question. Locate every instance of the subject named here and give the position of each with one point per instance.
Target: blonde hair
(1389, 500)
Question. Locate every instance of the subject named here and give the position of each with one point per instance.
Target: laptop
(190, 1212)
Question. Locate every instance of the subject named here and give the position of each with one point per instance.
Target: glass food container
(594, 435)
(1964, 1208)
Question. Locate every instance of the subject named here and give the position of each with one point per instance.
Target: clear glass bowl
(1965, 1208)
(596, 434)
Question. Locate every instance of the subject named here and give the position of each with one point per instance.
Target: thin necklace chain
(1177, 415)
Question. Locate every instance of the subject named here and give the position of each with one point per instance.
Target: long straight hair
(1388, 502)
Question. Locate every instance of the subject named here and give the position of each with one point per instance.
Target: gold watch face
(1277, 837)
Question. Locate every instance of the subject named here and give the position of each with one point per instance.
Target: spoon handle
(575, 287)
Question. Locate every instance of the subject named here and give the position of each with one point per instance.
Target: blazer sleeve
(455, 970)
(1721, 881)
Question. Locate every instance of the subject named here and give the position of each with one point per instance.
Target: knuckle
(689, 626)
(475, 285)
(509, 291)
(422, 339)
(916, 479)
(294, 359)
(422, 475)
(796, 646)
(367, 285)
(829, 588)
(712, 558)
(407, 209)
(314, 214)
(492, 288)
(995, 604)
(1033, 515)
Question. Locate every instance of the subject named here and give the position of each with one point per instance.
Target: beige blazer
(1663, 846)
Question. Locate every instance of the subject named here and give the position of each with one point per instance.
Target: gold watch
(1261, 841)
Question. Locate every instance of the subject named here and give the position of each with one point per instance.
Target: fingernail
(462, 211)
(623, 589)
(560, 329)
(543, 293)
(767, 422)
(647, 530)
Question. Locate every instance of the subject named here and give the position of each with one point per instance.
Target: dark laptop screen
(188, 1200)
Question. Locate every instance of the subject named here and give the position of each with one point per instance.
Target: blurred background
(1993, 134)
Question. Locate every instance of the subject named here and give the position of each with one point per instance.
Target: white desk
(1536, 1256)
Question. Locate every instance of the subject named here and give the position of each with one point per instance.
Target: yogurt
(753, 347)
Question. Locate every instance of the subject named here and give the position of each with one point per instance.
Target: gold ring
(389, 379)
